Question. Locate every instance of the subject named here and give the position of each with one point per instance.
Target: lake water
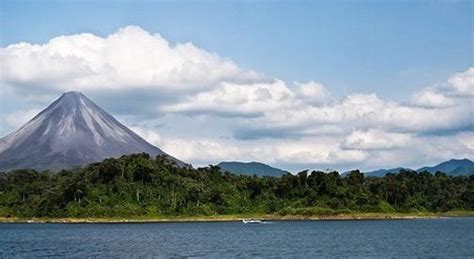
(452, 237)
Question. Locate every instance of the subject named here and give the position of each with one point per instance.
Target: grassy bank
(228, 218)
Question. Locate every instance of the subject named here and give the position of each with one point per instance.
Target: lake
(450, 237)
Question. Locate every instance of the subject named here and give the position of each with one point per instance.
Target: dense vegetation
(137, 185)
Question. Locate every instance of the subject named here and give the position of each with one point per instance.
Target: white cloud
(130, 58)
(314, 151)
(326, 151)
(18, 118)
(432, 98)
(375, 139)
(252, 100)
(360, 130)
(458, 90)
(238, 99)
(363, 112)
(307, 108)
(246, 116)
(202, 151)
(463, 83)
(313, 93)
(151, 136)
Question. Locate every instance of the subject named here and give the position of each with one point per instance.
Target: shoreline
(237, 218)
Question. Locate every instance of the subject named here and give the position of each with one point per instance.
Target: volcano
(73, 131)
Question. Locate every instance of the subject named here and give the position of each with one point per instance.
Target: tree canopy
(138, 185)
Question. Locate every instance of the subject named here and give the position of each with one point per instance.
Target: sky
(296, 84)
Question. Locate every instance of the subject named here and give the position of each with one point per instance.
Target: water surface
(451, 237)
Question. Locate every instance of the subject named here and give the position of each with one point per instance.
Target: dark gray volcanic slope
(72, 131)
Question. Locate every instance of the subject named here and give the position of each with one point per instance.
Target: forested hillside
(251, 168)
(138, 185)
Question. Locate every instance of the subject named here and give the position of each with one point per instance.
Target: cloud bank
(240, 114)
(129, 58)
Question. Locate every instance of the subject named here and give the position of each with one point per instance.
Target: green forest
(138, 185)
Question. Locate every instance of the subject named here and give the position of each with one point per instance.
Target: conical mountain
(72, 131)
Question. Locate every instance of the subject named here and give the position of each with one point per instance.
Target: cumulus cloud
(129, 58)
(323, 152)
(313, 93)
(463, 83)
(252, 100)
(149, 135)
(253, 117)
(326, 151)
(231, 99)
(363, 112)
(432, 98)
(204, 151)
(299, 121)
(18, 118)
(375, 139)
(276, 109)
(458, 90)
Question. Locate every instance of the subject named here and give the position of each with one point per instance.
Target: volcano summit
(72, 131)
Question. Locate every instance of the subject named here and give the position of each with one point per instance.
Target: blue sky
(297, 84)
(391, 47)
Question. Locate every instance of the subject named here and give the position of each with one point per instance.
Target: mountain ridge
(451, 167)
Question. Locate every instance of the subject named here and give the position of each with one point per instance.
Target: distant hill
(383, 172)
(251, 168)
(452, 167)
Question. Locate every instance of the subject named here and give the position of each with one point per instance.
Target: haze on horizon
(298, 86)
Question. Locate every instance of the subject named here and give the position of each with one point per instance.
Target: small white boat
(252, 221)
